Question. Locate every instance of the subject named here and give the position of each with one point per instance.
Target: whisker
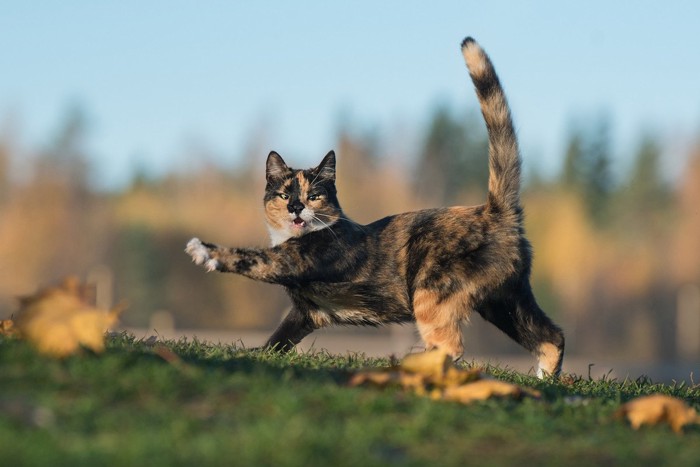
(343, 218)
(314, 180)
(327, 226)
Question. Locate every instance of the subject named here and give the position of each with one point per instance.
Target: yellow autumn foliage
(568, 249)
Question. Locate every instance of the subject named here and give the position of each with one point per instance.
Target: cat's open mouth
(298, 222)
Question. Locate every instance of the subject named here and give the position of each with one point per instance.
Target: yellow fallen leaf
(432, 363)
(418, 371)
(433, 374)
(89, 327)
(658, 408)
(438, 368)
(416, 381)
(59, 319)
(455, 377)
(485, 389)
(375, 378)
(7, 327)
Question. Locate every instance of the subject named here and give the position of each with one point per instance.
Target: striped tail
(504, 156)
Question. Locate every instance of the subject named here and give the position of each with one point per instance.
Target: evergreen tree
(598, 178)
(65, 160)
(644, 197)
(572, 173)
(454, 157)
(645, 185)
(586, 167)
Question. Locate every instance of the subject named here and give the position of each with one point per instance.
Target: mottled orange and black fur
(434, 267)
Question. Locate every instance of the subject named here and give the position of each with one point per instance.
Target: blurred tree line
(611, 252)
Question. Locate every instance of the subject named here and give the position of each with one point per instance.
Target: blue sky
(157, 76)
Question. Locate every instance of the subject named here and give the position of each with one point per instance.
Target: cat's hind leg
(521, 318)
(438, 320)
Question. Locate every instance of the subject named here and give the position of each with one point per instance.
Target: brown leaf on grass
(418, 371)
(385, 377)
(374, 378)
(438, 368)
(434, 374)
(486, 389)
(167, 354)
(432, 363)
(8, 328)
(455, 376)
(59, 319)
(175, 360)
(656, 409)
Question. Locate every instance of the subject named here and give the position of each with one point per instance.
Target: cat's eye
(314, 197)
(284, 196)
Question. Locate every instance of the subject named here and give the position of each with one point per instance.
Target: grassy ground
(204, 404)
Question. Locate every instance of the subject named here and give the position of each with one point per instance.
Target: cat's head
(299, 201)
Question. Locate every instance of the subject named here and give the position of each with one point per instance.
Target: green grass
(222, 405)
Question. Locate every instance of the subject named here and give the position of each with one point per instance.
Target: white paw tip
(198, 252)
(211, 265)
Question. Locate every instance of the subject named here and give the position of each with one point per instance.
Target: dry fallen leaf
(376, 378)
(8, 328)
(433, 363)
(418, 371)
(658, 408)
(437, 368)
(485, 389)
(59, 319)
(455, 376)
(433, 374)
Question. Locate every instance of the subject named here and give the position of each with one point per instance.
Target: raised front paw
(201, 254)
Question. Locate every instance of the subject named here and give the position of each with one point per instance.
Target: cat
(434, 266)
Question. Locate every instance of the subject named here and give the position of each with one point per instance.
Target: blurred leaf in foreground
(486, 389)
(434, 373)
(7, 327)
(656, 409)
(57, 320)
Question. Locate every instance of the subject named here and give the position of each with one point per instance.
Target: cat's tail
(504, 156)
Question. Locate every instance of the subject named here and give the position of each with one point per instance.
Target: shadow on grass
(188, 354)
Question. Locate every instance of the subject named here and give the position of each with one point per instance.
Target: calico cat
(434, 266)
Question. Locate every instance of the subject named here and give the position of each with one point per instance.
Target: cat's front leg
(201, 254)
(293, 328)
(267, 265)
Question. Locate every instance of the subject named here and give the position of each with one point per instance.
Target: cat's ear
(326, 169)
(276, 168)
